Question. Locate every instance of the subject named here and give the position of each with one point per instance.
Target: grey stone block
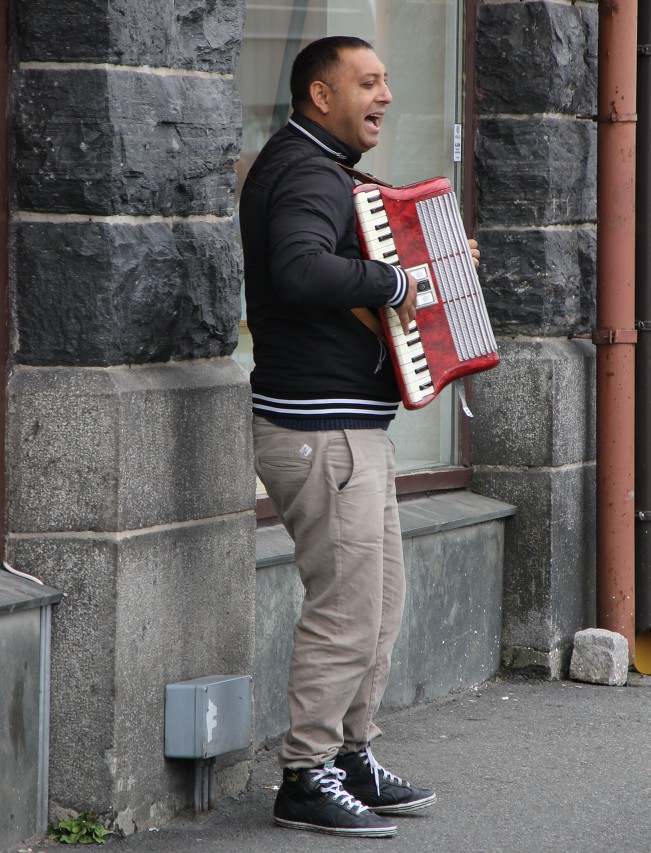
(549, 555)
(141, 610)
(537, 408)
(180, 33)
(539, 282)
(115, 142)
(538, 171)
(600, 657)
(549, 48)
(121, 449)
(92, 293)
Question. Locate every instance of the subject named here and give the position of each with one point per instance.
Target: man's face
(356, 98)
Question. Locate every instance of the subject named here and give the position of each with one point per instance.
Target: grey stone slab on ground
(518, 766)
(600, 657)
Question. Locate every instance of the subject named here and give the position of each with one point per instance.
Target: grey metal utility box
(25, 612)
(208, 716)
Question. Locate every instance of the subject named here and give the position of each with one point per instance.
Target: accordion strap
(371, 322)
(367, 317)
(363, 177)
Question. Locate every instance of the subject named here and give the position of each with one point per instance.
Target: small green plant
(83, 829)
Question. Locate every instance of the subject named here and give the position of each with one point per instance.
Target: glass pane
(419, 42)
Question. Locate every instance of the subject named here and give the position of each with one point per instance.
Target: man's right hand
(407, 311)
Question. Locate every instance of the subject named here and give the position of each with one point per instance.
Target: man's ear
(320, 96)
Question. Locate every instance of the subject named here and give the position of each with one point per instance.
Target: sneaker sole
(405, 808)
(368, 832)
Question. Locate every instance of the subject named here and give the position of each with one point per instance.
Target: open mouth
(374, 119)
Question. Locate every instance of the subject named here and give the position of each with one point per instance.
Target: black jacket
(316, 364)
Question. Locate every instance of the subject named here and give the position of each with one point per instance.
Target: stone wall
(129, 450)
(536, 172)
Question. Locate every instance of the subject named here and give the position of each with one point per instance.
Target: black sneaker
(378, 789)
(315, 800)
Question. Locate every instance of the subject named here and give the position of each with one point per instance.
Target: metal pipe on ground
(615, 335)
(643, 350)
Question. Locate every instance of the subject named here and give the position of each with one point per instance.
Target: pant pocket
(339, 462)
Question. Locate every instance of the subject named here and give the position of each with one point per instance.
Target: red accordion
(419, 228)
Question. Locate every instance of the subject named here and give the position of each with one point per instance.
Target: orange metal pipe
(615, 335)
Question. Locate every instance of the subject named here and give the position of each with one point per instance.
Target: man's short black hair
(317, 61)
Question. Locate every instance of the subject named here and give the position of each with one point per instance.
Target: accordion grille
(459, 286)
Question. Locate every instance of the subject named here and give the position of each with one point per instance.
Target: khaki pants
(335, 492)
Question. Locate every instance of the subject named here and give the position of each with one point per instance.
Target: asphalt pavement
(519, 765)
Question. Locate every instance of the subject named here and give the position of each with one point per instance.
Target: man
(324, 394)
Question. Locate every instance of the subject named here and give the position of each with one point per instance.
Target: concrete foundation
(450, 637)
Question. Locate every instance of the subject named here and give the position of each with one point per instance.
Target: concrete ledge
(418, 517)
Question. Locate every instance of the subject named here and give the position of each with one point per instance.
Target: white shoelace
(330, 778)
(376, 769)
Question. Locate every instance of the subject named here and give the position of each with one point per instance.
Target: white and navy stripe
(330, 407)
(401, 288)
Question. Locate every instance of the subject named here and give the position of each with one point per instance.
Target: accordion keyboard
(408, 349)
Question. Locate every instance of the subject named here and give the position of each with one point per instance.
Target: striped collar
(333, 147)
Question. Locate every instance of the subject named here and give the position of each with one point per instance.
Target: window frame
(5, 313)
(450, 477)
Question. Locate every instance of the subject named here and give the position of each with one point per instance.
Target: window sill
(418, 517)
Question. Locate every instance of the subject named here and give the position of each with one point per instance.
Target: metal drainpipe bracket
(614, 336)
(609, 118)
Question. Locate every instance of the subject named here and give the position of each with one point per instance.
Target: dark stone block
(539, 282)
(107, 142)
(97, 294)
(193, 34)
(536, 171)
(537, 57)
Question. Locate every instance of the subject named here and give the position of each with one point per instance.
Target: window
(420, 43)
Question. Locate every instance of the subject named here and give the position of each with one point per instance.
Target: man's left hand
(474, 251)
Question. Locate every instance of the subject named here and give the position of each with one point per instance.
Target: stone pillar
(533, 443)
(129, 455)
